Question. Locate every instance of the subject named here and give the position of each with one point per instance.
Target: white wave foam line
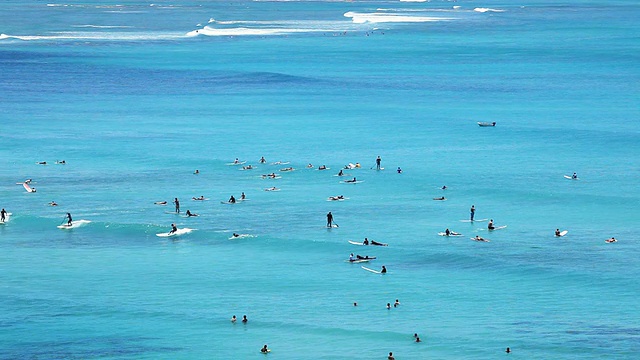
(483, 10)
(102, 26)
(88, 36)
(242, 31)
(361, 18)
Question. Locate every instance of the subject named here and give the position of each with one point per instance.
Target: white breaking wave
(110, 36)
(243, 31)
(361, 18)
(482, 10)
(102, 26)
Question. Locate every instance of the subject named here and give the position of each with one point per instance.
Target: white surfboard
(472, 221)
(483, 240)
(28, 188)
(355, 243)
(497, 228)
(343, 199)
(327, 168)
(236, 163)
(450, 234)
(570, 177)
(333, 226)
(352, 182)
(74, 224)
(176, 233)
(563, 233)
(371, 270)
(270, 189)
(241, 236)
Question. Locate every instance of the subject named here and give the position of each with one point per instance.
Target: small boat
(487, 123)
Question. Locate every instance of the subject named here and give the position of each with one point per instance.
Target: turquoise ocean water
(135, 96)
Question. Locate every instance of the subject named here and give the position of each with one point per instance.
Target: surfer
(3, 215)
(390, 357)
(440, 198)
(329, 219)
(273, 188)
(262, 160)
(233, 319)
(244, 319)
(69, 220)
(479, 238)
(61, 162)
(373, 242)
(473, 211)
(418, 339)
(508, 350)
(444, 187)
(174, 228)
(42, 163)
(351, 258)
(248, 167)
(235, 235)
(310, 166)
(160, 203)
(53, 203)
(399, 170)
(365, 242)
(322, 167)
(236, 161)
(190, 214)
(447, 232)
(490, 225)
(611, 240)
(198, 198)
(378, 161)
(395, 304)
(232, 200)
(175, 201)
(388, 306)
(340, 173)
(243, 196)
(196, 172)
(351, 181)
(264, 349)
(384, 270)
(557, 232)
(28, 181)
(574, 176)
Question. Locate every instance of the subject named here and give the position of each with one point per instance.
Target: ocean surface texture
(135, 96)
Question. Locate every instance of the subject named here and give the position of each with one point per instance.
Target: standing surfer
(378, 161)
(69, 220)
(329, 219)
(473, 211)
(175, 201)
(3, 215)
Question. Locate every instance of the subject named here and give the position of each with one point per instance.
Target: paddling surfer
(190, 214)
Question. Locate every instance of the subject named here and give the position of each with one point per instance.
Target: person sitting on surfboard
(264, 349)
(365, 242)
(69, 219)
(340, 173)
(243, 196)
(232, 200)
(399, 170)
(447, 232)
(574, 176)
(557, 232)
(351, 258)
(490, 225)
(262, 160)
(384, 270)
(174, 228)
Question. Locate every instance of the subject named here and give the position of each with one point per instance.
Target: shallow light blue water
(134, 106)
